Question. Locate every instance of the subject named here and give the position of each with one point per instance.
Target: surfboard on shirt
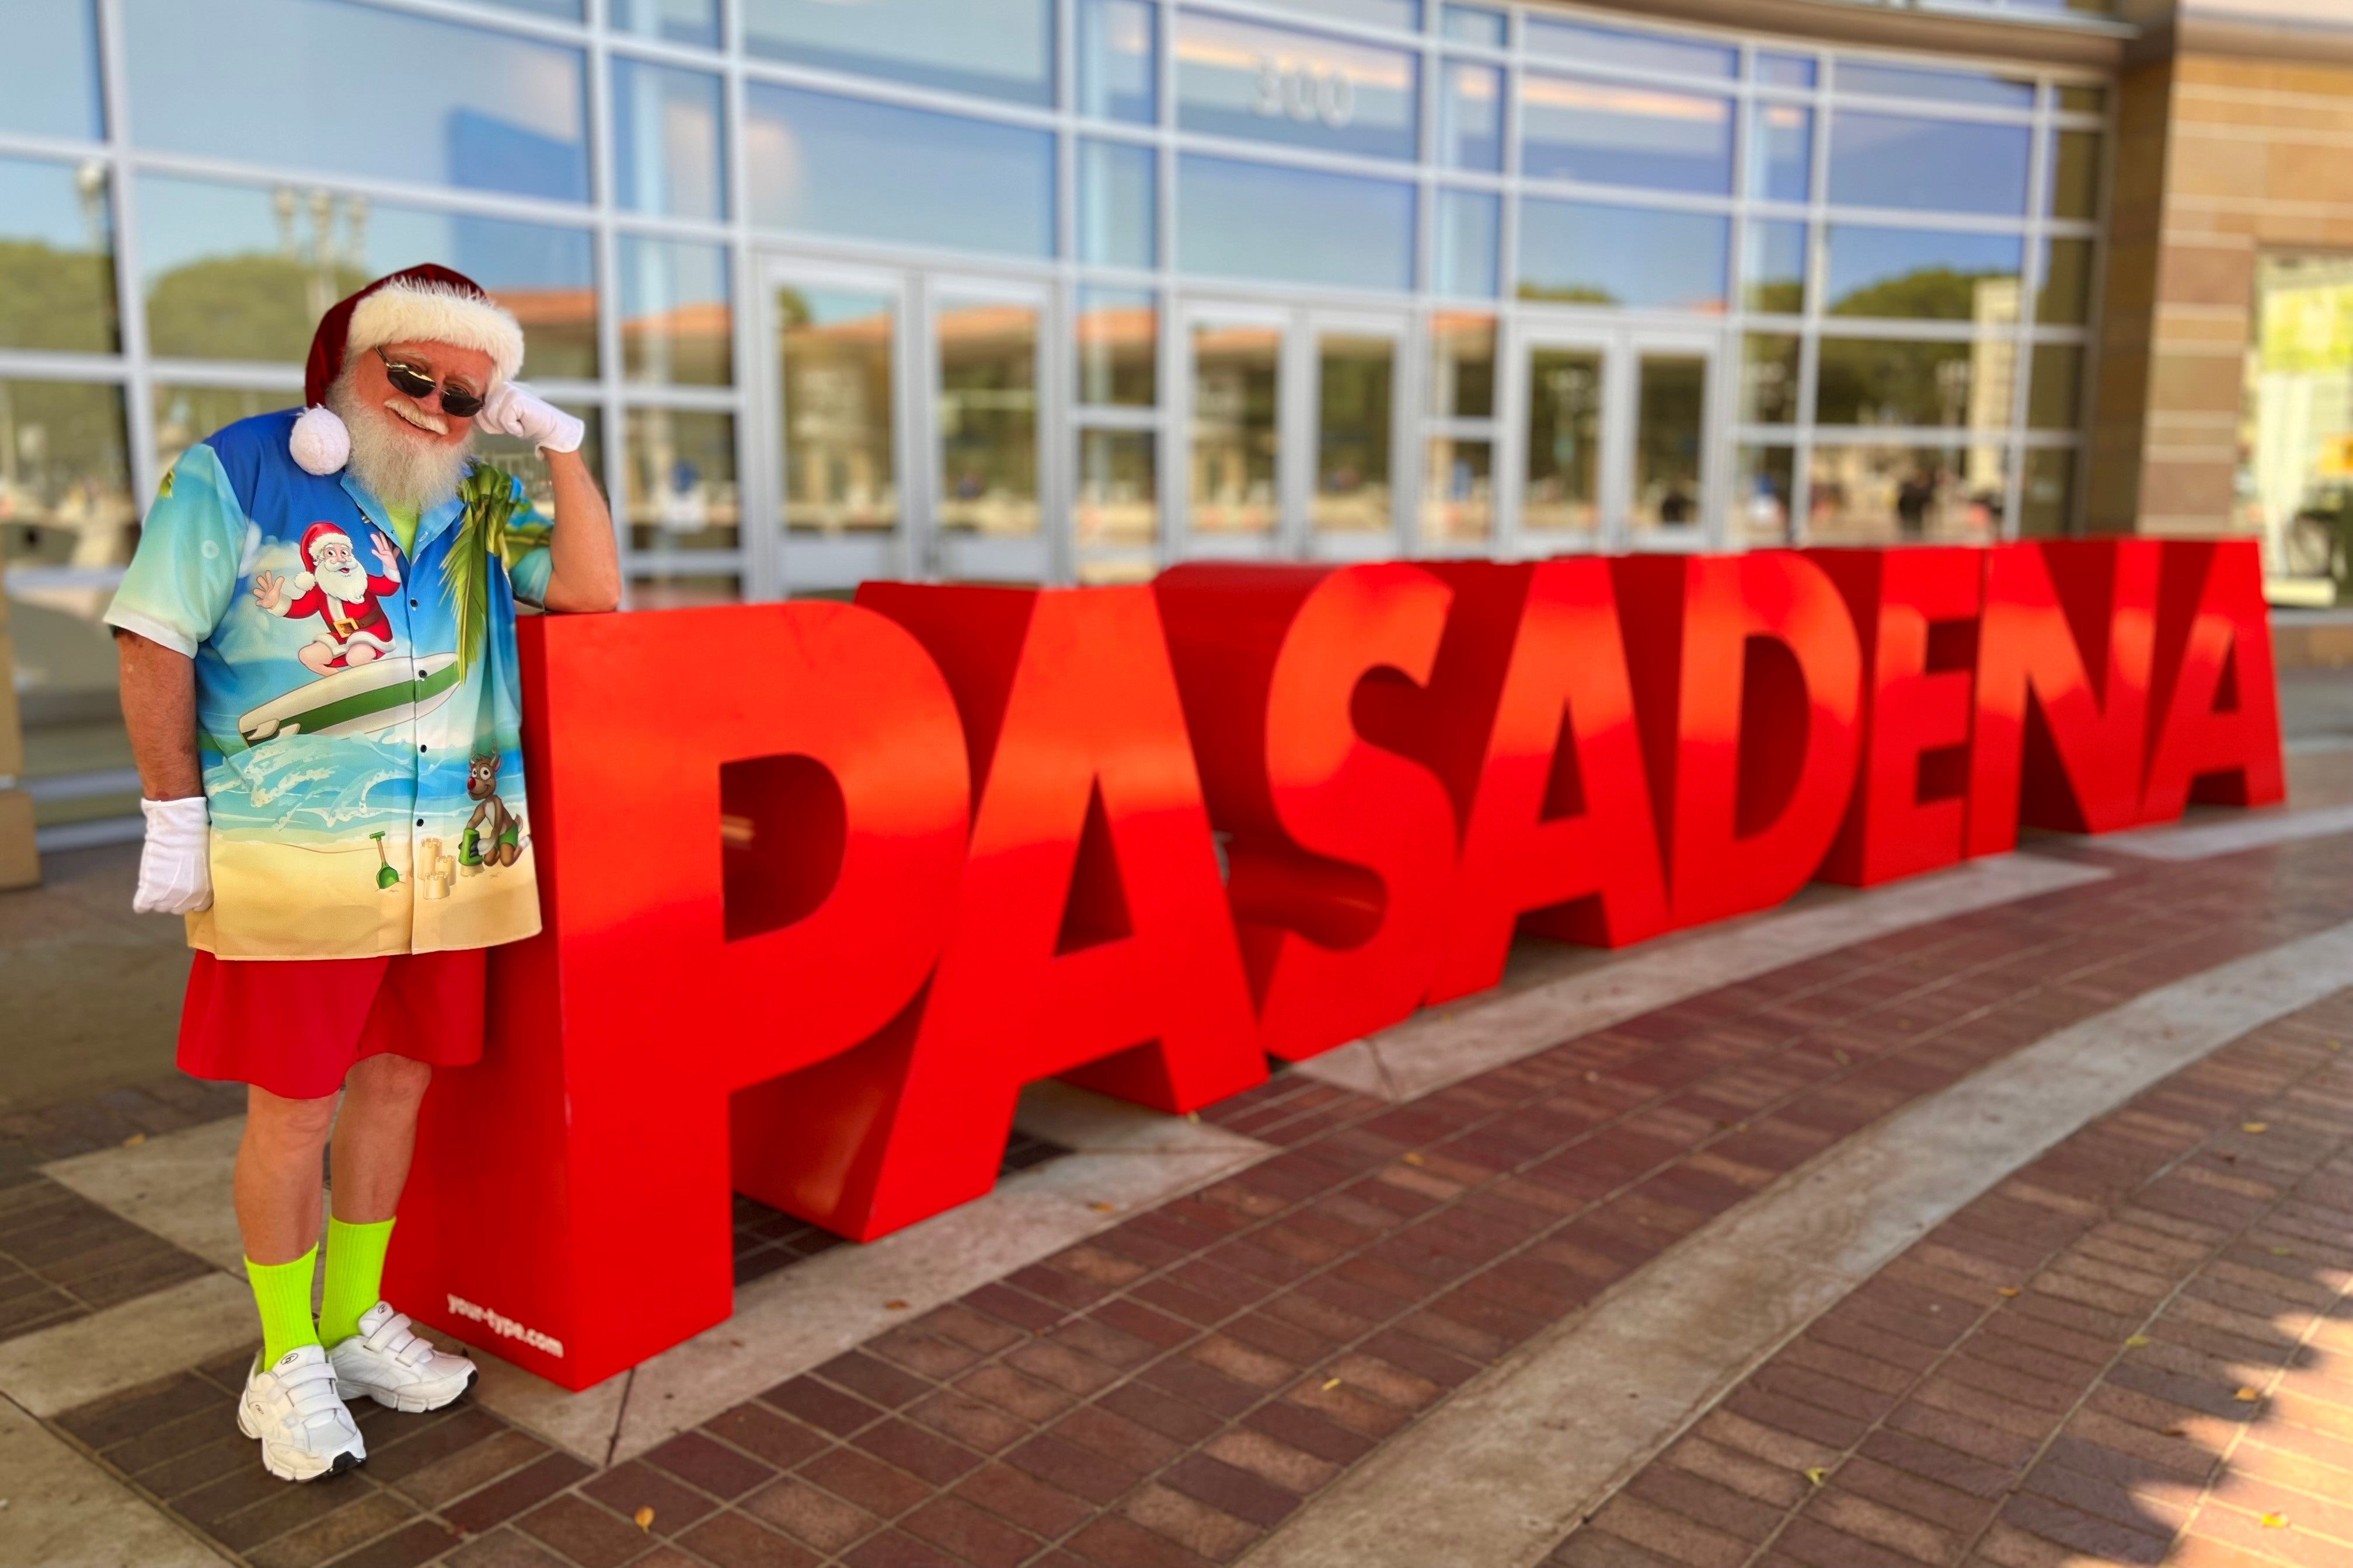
(369, 697)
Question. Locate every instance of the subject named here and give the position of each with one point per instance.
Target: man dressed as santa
(335, 587)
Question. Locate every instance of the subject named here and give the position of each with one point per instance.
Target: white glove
(176, 869)
(515, 410)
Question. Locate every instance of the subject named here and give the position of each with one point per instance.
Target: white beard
(344, 584)
(399, 467)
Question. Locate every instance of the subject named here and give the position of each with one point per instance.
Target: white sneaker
(292, 1407)
(388, 1362)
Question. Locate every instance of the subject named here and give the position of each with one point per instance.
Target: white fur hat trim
(407, 312)
(320, 443)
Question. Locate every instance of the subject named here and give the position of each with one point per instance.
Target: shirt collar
(430, 524)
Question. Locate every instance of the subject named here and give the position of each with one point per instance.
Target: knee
(282, 1126)
(388, 1079)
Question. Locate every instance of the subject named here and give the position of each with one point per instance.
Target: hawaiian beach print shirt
(358, 709)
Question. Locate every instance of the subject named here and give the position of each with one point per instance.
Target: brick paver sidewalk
(1175, 1389)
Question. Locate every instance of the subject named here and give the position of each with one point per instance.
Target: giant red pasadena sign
(825, 884)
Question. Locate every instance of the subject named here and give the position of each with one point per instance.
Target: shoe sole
(343, 1462)
(408, 1402)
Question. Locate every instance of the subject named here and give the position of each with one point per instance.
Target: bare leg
(375, 1135)
(358, 653)
(277, 1182)
(317, 656)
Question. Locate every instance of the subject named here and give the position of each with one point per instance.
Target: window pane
(1236, 379)
(561, 10)
(1927, 165)
(1879, 381)
(1563, 477)
(48, 72)
(1781, 152)
(1585, 253)
(481, 109)
(1470, 116)
(1469, 241)
(683, 591)
(57, 257)
(1619, 133)
(1303, 90)
(1118, 344)
(187, 415)
(988, 416)
(1768, 379)
(1405, 16)
(835, 348)
(1255, 220)
(1119, 70)
(1785, 70)
(520, 458)
(681, 478)
(244, 272)
(2081, 97)
(1461, 365)
(1474, 25)
(2047, 503)
(995, 48)
(1914, 274)
(64, 494)
(1911, 83)
(2075, 175)
(2054, 397)
(1765, 479)
(694, 22)
(1885, 494)
(1119, 494)
(665, 142)
(1776, 270)
(840, 165)
(1458, 491)
(678, 317)
(1669, 410)
(1356, 376)
(1118, 206)
(2065, 297)
(1590, 45)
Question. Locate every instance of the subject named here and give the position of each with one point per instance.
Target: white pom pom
(320, 443)
(304, 582)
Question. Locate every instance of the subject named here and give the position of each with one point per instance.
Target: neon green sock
(354, 1275)
(282, 1291)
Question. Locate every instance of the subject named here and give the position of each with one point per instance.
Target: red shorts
(295, 1027)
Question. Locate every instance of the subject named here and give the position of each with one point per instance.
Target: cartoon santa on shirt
(340, 593)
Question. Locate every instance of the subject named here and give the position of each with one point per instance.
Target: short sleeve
(532, 569)
(183, 577)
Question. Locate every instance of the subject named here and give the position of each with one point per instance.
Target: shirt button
(421, 822)
(421, 747)
(412, 603)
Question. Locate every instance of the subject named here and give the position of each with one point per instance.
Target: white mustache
(417, 417)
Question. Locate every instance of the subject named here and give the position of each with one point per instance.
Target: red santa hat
(417, 304)
(312, 536)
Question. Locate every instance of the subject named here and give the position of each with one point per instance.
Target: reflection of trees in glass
(839, 464)
(1870, 380)
(1929, 294)
(65, 475)
(249, 307)
(1567, 293)
(56, 299)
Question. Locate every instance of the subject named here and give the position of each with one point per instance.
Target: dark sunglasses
(455, 399)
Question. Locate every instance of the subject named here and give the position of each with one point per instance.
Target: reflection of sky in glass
(1468, 239)
(1618, 134)
(1471, 117)
(46, 202)
(1291, 225)
(1590, 44)
(666, 144)
(1117, 73)
(675, 21)
(1474, 25)
(1776, 269)
(1585, 252)
(1403, 14)
(1785, 70)
(475, 109)
(839, 165)
(1928, 166)
(995, 48)
(1117, 204)
(1781, 152)
(677, 319)
(1303, 90)
(49, 69)
(1881, 79)
(1867, 266)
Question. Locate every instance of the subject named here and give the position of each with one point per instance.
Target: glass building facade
(1058, 291)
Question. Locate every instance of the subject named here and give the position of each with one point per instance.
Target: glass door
(1672, 379)
(1565, 440)
(836, 370)
(1354, 455)
(1615, 439)
(988, 379)
(1235, 468)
